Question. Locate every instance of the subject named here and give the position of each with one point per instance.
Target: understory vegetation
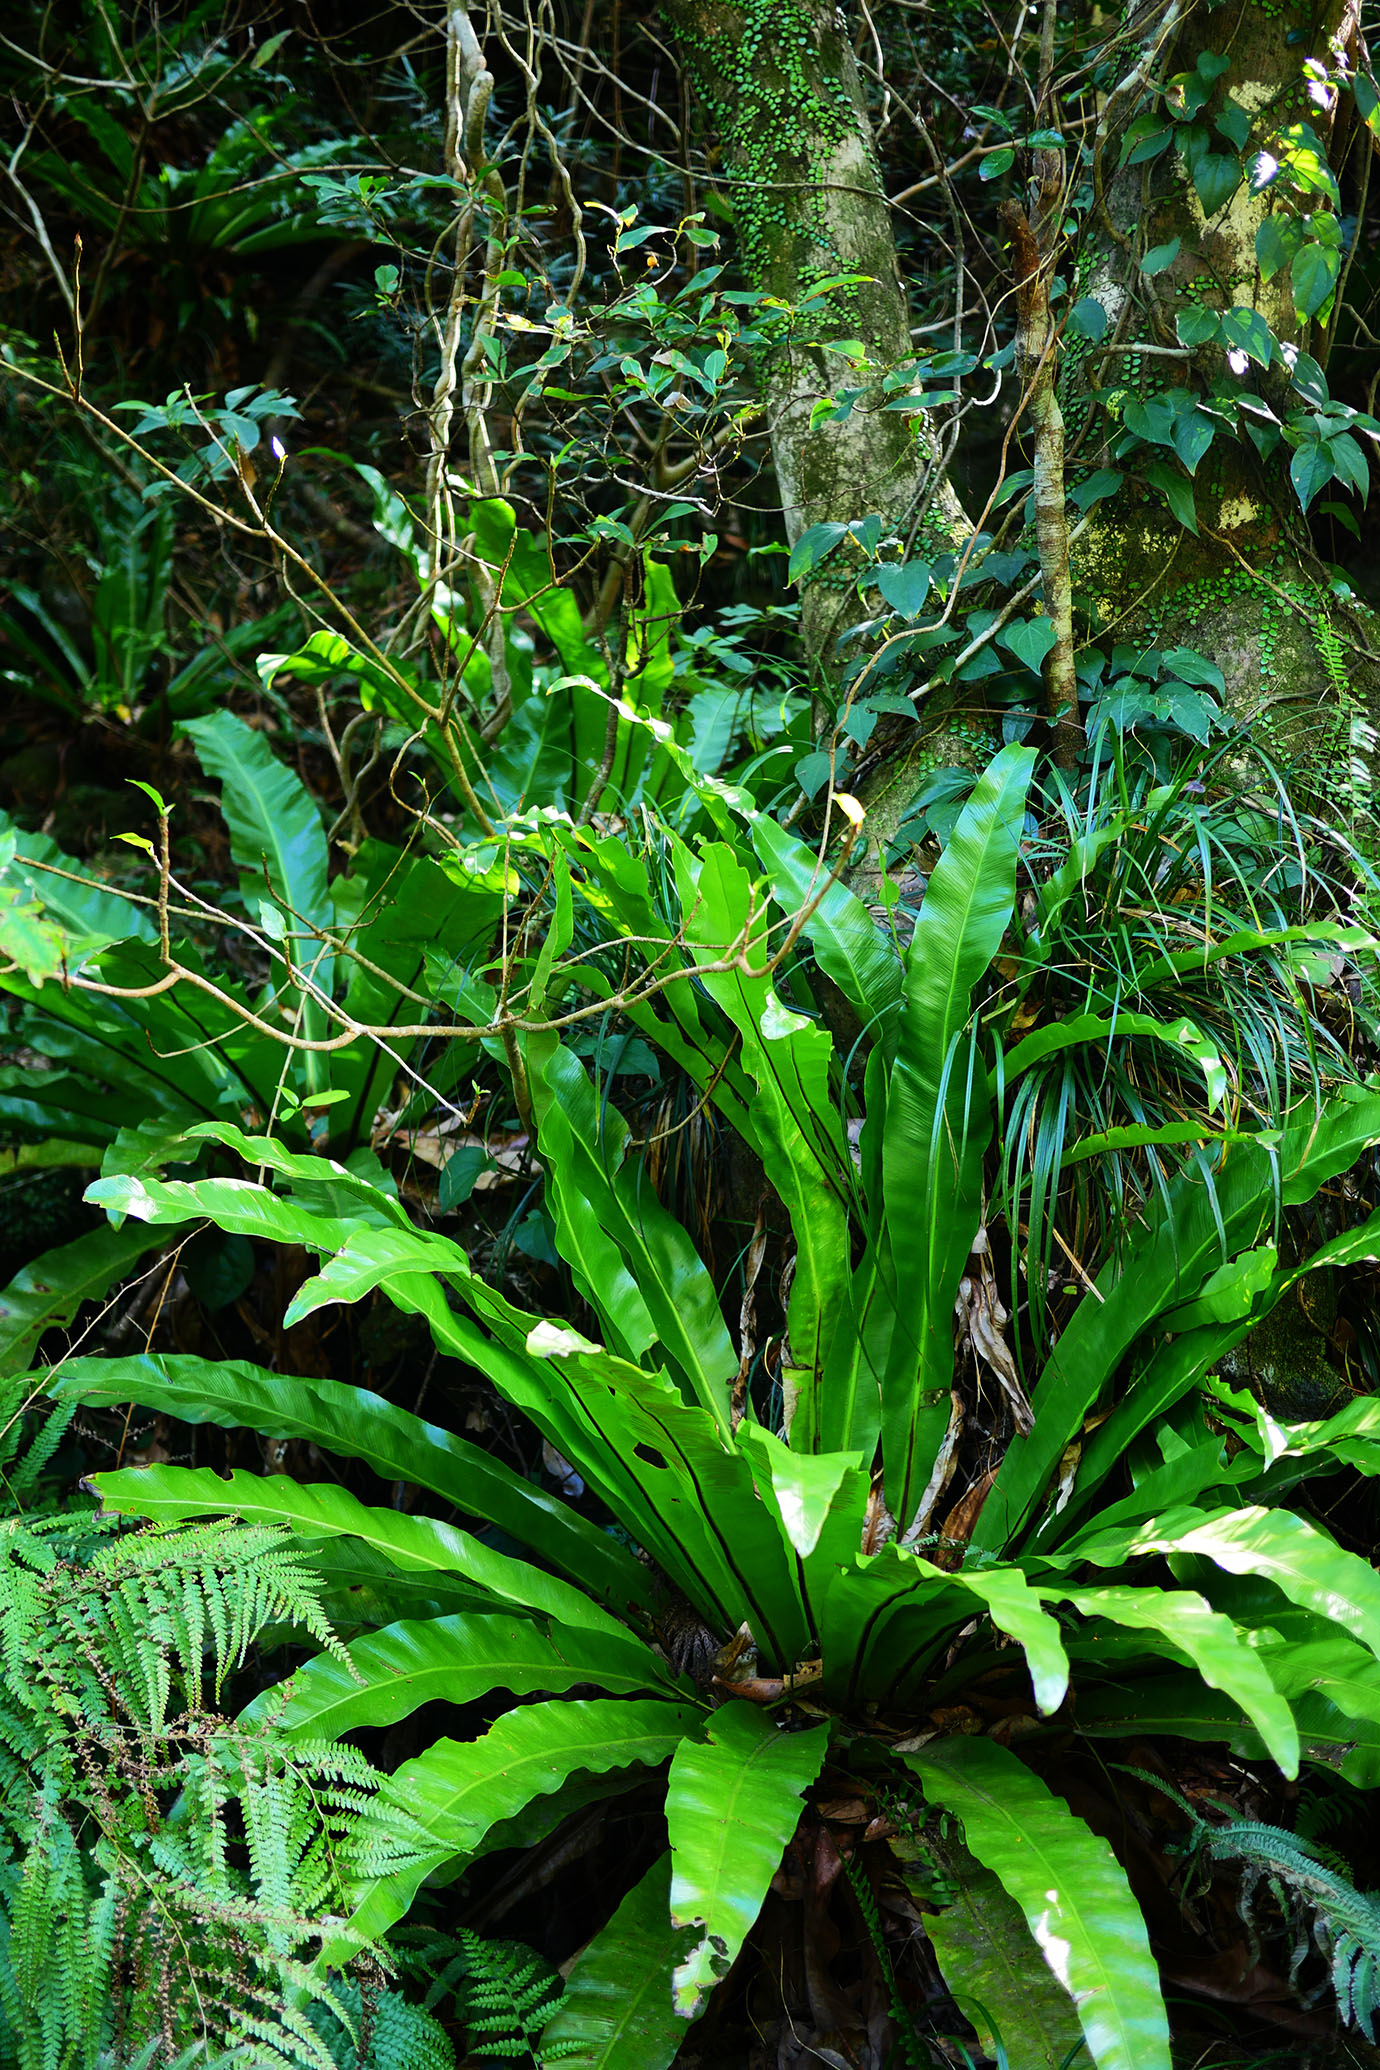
(689, 1037)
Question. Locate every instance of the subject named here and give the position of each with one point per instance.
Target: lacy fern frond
(507, 1996)
(384, 2032)
(133, 1892)
(166, 1878)
(1345, 1920)
(30, 1433)
(104, 1624)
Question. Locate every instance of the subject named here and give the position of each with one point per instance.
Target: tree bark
(781, 89)
(1245, 590)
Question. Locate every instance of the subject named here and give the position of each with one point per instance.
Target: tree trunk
(1246, 589)
(781, 89)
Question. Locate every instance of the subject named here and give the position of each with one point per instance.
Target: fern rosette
(852, 1567)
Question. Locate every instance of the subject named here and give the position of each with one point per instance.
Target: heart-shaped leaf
(1030, 640)
(1311, 468)
(1234, 123)
(906, 587)
(813, 546)
(1177, 493)
(1276, 242)
(1314, 277)
(1105, 482)
(1192, 437)
(1216, 177)
(1196, 327)
(1195, 668)
(1088, 319)
(812, 772)
(1160, 257)
(1249, 331)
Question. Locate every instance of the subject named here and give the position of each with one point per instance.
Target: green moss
(1284, 1361)
(784, 111)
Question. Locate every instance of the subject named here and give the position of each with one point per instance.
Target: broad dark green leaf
(276, 836)
(667, 1470)
(621, 893)
(1181, 1706)
(1245, 941)
(359, 1425)
(982, 1944)
(235, 1204)
(389, 1674)
(1193, 435)
(852, 951)
(172, 1493)
(46, 1105)
(279, 846)
(51, 1290)
(396, 911)
(1309, 1567)
(84, 909)
(1182, 1035)
(218, 1268)
(616, 2011)
(1333, 1685)
(795, 1114)
(361, 1589)
(1071, 1889)
(815, 1496)
(732, 1803)
(322, 1183)
(938, 1112)
(178, 1054)
(646, 1274)
(1212, 1643)
(369, 1257)
(882, 1617)
(457, 1791)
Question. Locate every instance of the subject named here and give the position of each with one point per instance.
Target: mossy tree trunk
(781, 89)
(1213, 88)
(1243, 585)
